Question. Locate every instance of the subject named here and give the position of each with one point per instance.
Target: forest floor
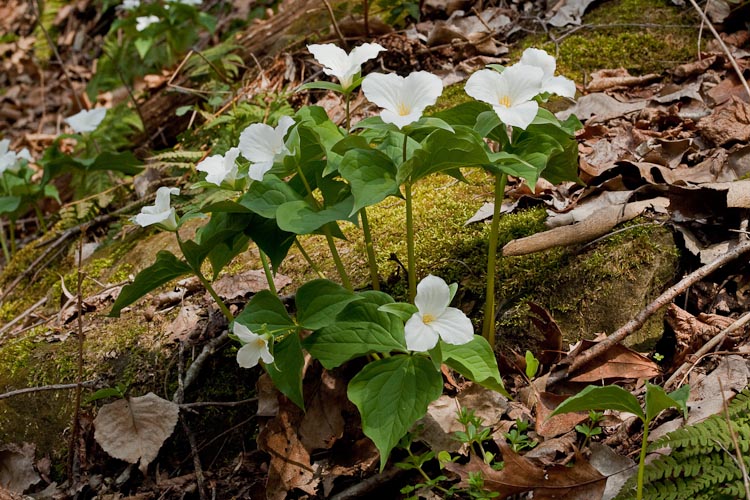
(644, 262)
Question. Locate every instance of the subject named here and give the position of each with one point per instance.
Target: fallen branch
(631, 326)
(54, 387)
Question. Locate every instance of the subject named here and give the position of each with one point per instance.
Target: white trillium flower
(262, 145)
(435, 319)
(550, 83)
(220, 168)
(9, 160)
(130, 4)
(161, 212)
(86, 120)
(143, 22)
(510, 93)
(336, 62)
(403, 99)
(254, 349)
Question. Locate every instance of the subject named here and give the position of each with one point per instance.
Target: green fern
(702, 464)
(175, 159)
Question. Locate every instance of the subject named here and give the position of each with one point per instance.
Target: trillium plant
(305, 175)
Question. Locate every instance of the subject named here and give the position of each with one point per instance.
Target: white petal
(25, 155)
(4, 146)
(86, 121)
(266, 356)
(143, 22)
(454, 327)
(400, 120)
(258, 170)
(248, 356)
(333, 58)
(519, 116)
(419, 337)
(7, 160)
(285, 123)
(433, 296)
(540, 59)
(363, 53)
(259, 142)
(523, 82)
(214, 167)
(243, 333)
(560, 85)
(383, 90)
(144, 219)
(162, 198)
(487, 86)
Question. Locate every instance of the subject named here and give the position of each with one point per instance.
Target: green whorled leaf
(321, 86)
(223, 253)
(286, 369)
(371, 174)
(328, 133)
(610, 397)
(273, 241)
(50, 191)
(367, 309)
(265, 197)
(194, 253)
(528, 167)
(226, 206)
(657, 400)
(320, 301)
(55, 162)
(266, 313)
(401, 310)
(489, 125)
(443, 150)
(166, 268)
(464, 114)
(349, 143)
(9, 204)
(423, 127)
(300, 217)
(563, 164)
(375, 123)
(475, 361)
(391, 394)
(143, 45)
(393, 146)
(344, 340)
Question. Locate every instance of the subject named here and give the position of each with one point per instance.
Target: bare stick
(217, 403)
(24, 314)
(74, 459)
(335, 24)
(724, 47)
(707, 347)
(54, 387)
(363, 487)
(665, 298)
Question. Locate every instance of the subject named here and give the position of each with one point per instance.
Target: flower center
(260, 343)
(428, 318)
(403, 109)
(504, 101)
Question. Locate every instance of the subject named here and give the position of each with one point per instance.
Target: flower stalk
(206, 284)
(267, 271)
(488, 326)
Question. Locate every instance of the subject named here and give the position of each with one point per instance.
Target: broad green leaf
(463, 114)
(371, 174)
(327, 132)
(393, 146)
(9, 204)
(528, 166)
(271, 239)
(286, 369)
(657, 400)
(265, 197)
(391, 394)
(143, 45)
(368, 309)
(320, 301)
(321, 86)
(475, 361)
(341, 341)
(532, 364)
(300, 217)
(166, 268)
(401, 310)
(443, 150)
(266, 314)
(375, 123)
(610, 397)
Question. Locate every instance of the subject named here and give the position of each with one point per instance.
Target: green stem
(370, 250)
(642, 462)
(488, 328)
(309, 260)
(4, 244)
(329, 237)
(267, 270)
(40, 218)
(412, 278)
(348, 115)
(222, 306)
(12, 230)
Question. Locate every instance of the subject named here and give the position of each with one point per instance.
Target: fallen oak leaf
(520, 475)
(618, 362)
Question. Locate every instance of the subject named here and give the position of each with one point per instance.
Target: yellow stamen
(403, 109)
(504, 101)
(260, 342)
(428, 318)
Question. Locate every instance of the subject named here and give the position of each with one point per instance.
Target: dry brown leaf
(617, 468)
(520, 475)
(547, 427)
(551, 347)
(186, 324)
(600, 107)
(133, 429)
(323, 423)
(17, 467)
(611, 78)
(728, 123)
(236, 286)
(619, 362)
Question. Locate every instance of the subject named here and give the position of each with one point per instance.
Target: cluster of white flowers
(10, 160)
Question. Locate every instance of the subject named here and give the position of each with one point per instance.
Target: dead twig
(665, 298)
(217, 403)
(724, 47)
(361, 488)
(74, 465)
(53, 387)
(335, 24)
(23, 315)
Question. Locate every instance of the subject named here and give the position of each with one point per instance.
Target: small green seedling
(532, 365)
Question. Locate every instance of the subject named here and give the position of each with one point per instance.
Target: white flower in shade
(86, 120)
(403, 99)
(9, 160)
(550, 83)
(130, 4)
(254, 349)
(143, 22)
(188, 2)
(220, 168)
(435, 319)
(510, 93)
(336, 62)
(262, 145)
(161, 212)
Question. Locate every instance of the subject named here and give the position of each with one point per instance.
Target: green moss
(452, 95)
(642, 36)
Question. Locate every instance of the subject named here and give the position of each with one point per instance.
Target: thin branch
(217, 403)
(335, 24)
(724, 47)
(54, 387)
(665, 298)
